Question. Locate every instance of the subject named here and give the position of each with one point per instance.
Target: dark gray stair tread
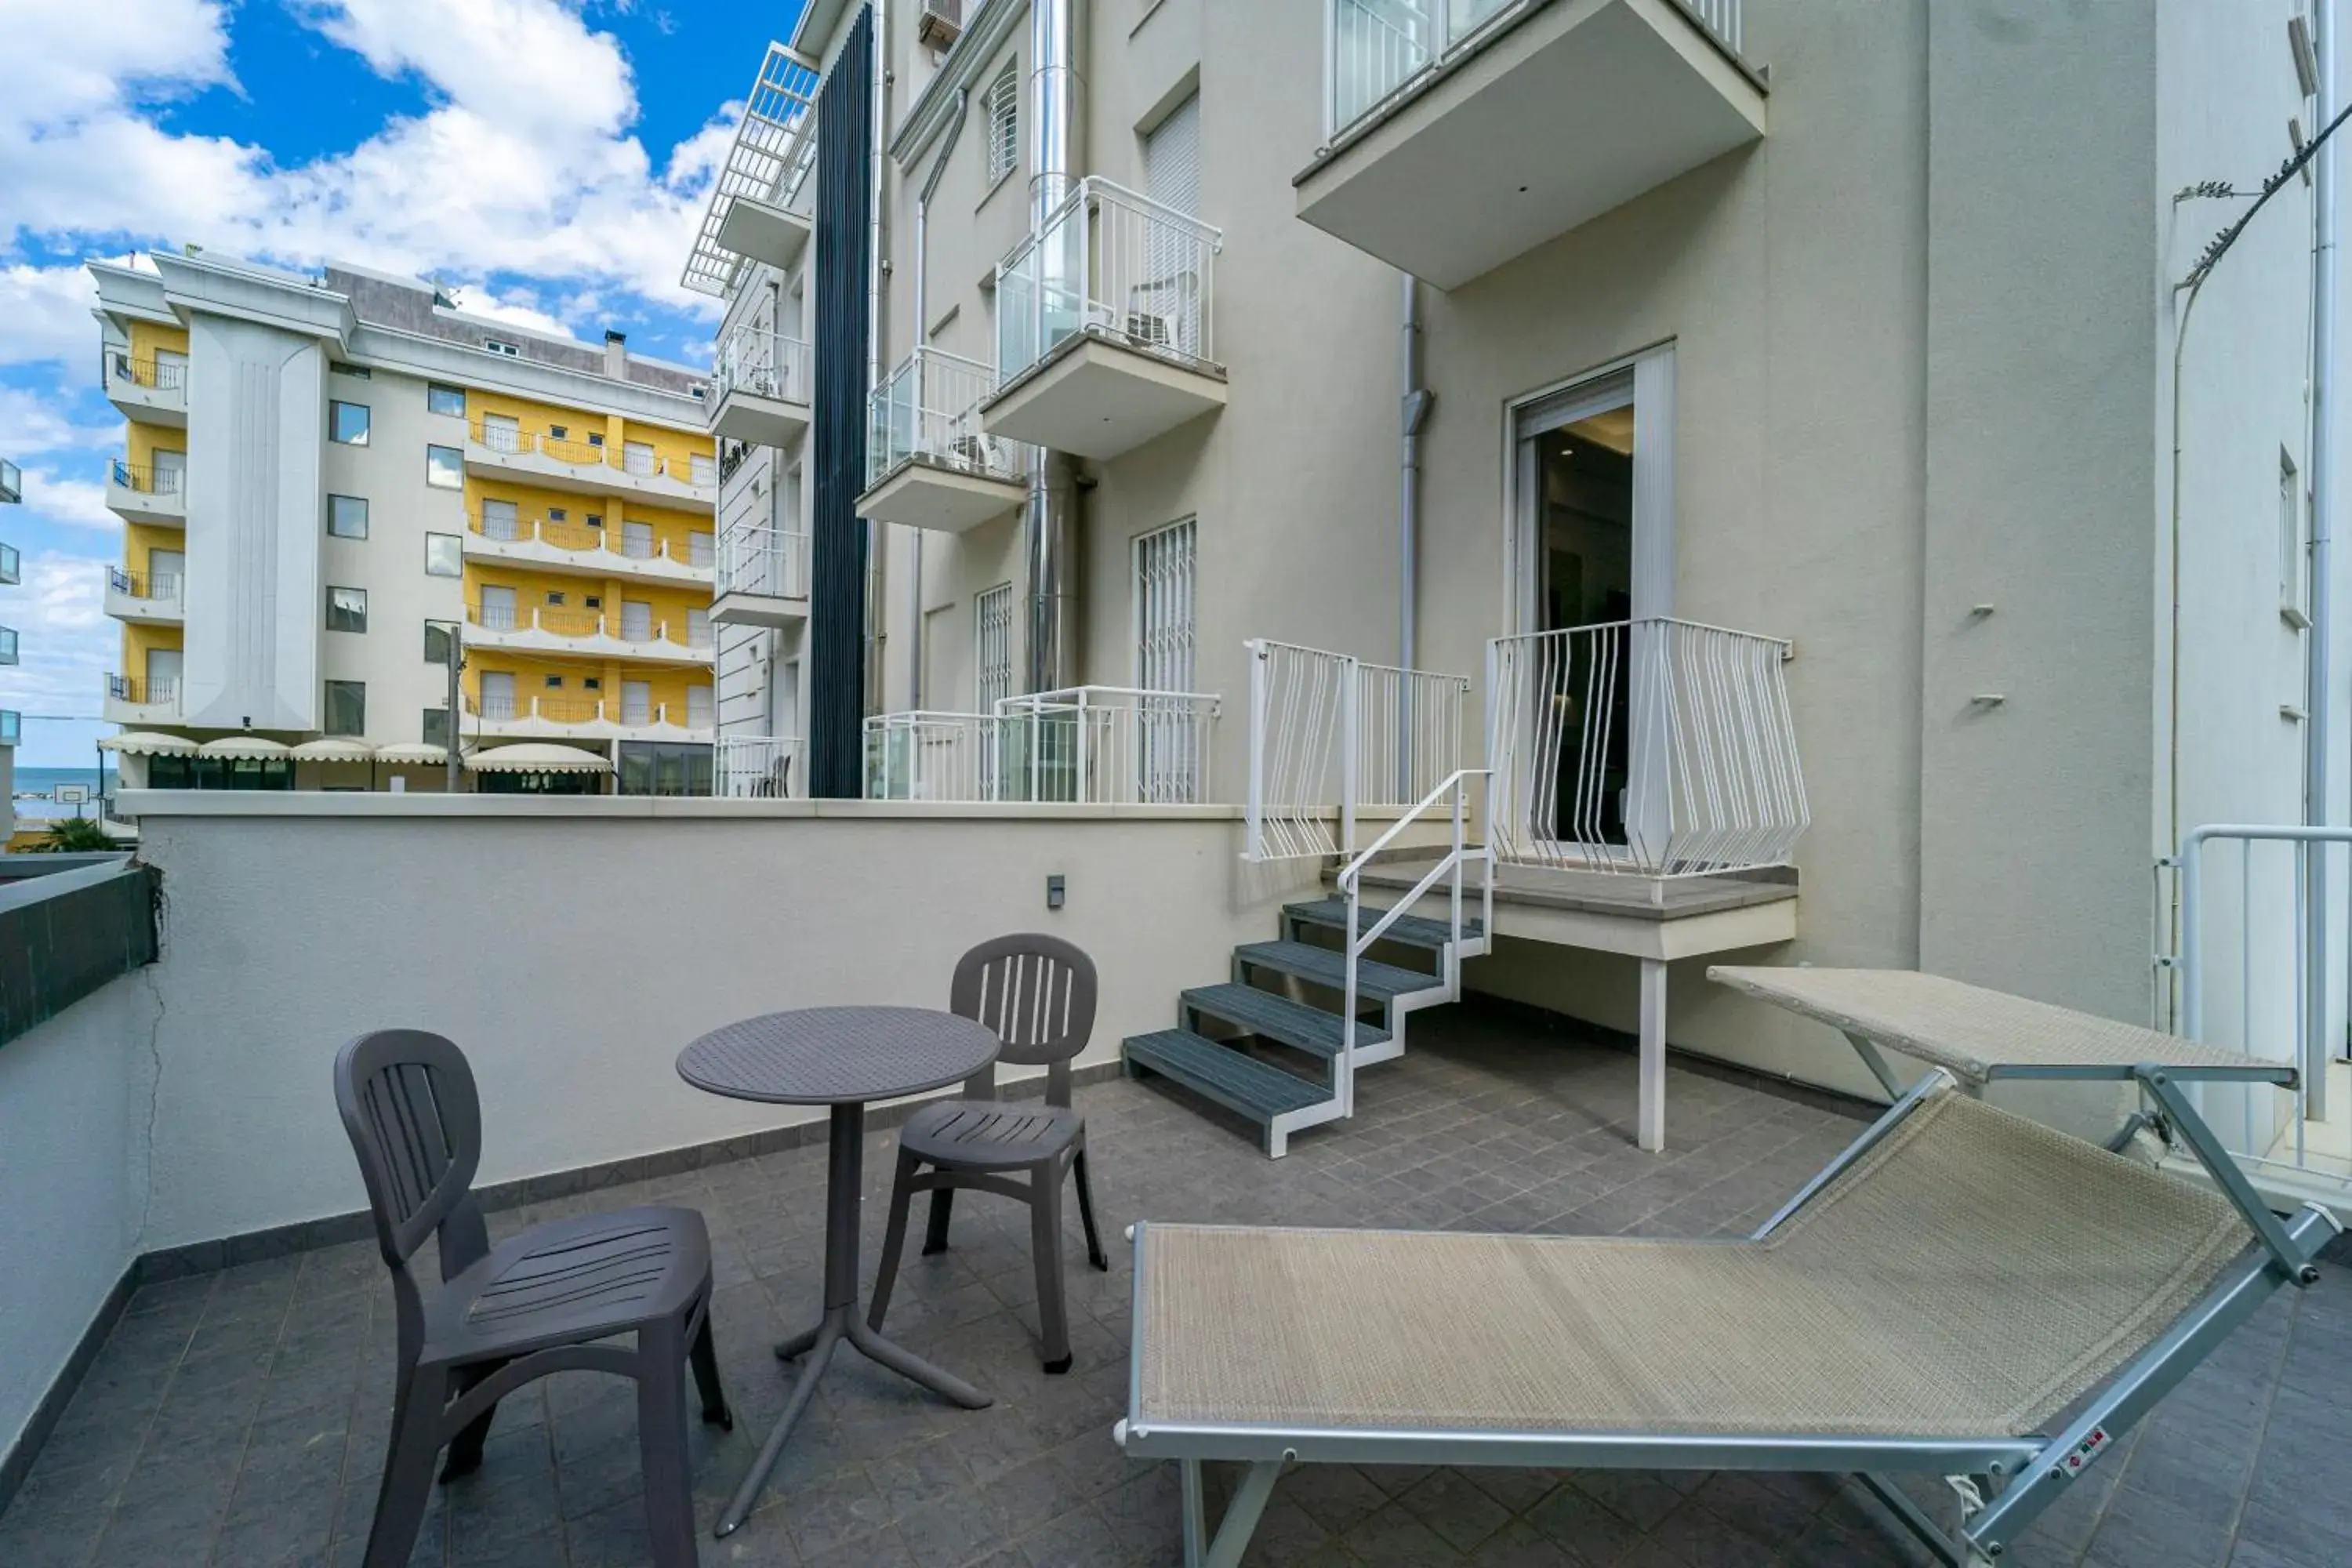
(1377, 981)
(1417, 930)
(1279, 1018)
(1235, 1080)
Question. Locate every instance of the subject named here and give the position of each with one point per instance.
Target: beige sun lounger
(1964, 1292)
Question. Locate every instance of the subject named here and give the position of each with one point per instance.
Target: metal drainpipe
(1049, 525)
(922, 340)
(1416, 404)
(2318, 728)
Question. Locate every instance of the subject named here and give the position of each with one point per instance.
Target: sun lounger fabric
(1968, 1277)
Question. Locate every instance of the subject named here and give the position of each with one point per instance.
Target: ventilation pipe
(2318, 728)
(1049, 525)
(922, 339)
(1417, 401)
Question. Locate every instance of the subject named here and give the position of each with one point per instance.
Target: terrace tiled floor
(240, 1418)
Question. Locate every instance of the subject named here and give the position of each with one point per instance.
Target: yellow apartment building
(330, 484)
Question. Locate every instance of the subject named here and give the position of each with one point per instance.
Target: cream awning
(245, 748)
(332, 749)
(536, 757)
(413, 754)
(149, 743)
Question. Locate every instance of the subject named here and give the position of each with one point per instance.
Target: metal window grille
(1003, 125)
(1171, 756)
(992, 630)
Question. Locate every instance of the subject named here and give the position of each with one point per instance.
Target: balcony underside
(745, 416)
(544, 557)
(741, 609)
(763, 233)
(164, 509)
(148, 404)
(1096, 399)
(922, 493)
(138, 715)
(530, 727)
(1572, 112)
(144, 612)
(531, 639)
(587, 479)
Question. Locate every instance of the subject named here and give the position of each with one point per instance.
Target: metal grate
(993, 632)
(1003, 125)
(1164, 608)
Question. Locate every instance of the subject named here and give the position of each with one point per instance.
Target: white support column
(1653, 1129)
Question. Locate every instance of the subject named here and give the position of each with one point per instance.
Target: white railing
(1114, 264)
(154, 587)
(768, 561)
(2269, 968)
(1115, 745)
(763, 364)
(1454, 792)
(763, 767)
(1090, 746)
(1330, 733)
(1375, 49)
(1656, 747)
(928, 409)
(927, 755)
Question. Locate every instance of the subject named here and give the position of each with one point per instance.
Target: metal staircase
(1280, 1042)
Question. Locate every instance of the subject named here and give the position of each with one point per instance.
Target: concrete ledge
(139, 803)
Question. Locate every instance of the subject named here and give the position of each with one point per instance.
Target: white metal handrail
(1330, 733)
(773, 561)
(1654, 747)
(1359, 940)
(1113, 745)
(1114, 263)
(1375, 49)
(928, 409)
(757, 767)
(770, 158)
(764, 364)
(922, 754)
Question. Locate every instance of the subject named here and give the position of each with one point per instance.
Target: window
(556, 514)
(591, 601)
(2291, 542)
(444, 467)
(555, 595)
(993, 619)
(1004, 104)
(347, 516)
(444, 555)
(665, 769)
(1163, 608)
(554, 682)
(595, 437)
(436, 728)
(356, 371)
(560, 432)
(500, 346)
(346, 708)
(348, 423)
(346, 609)
(595, 520)
(440, 637)
(592, 683)
(449, 400)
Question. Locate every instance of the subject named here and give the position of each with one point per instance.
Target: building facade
(11, 491)
(333, 486)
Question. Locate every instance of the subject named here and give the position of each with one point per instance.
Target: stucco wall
(572, 947)
(72, 1181)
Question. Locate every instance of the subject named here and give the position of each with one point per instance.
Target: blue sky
(548, 159)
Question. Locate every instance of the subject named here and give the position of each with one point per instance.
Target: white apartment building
(1536, 345)
(330, 485)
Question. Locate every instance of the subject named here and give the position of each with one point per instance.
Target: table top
(1977, 1035)
(837, 1056)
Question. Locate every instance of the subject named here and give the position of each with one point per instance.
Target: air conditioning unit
(940, 24)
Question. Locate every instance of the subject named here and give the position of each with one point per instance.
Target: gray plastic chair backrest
(1037, 994)
(408, 1103)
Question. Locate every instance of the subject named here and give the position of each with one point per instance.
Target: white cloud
(45, 314)
(32, 423)
(475, 300)
(522, 165)
(50, 497)
(66, 647)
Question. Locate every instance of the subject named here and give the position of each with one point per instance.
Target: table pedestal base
(845, 1186)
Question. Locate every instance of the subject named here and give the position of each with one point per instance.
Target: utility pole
(456, 694)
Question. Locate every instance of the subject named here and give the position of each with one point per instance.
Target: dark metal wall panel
(65, 935)
(837, 573)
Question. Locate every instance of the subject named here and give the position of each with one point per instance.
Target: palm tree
(70, 835)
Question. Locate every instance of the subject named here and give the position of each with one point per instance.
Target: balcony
(929, 464)
(752, 214)
(147, 389)
(140, 492)
(1461, 133)
(11, 567)
(1104, 319)
(763, 577)
(131, 700)
(11, 483)
(12, 727)
(1087, 745)
(758, 767)
(576, 549)
(762, 387)
(585, 634)
(590, 467)
(148, 598)
(545, 718)
(7, 645)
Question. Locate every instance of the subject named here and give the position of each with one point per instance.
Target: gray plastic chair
(531, 1306)
(1038, 993)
